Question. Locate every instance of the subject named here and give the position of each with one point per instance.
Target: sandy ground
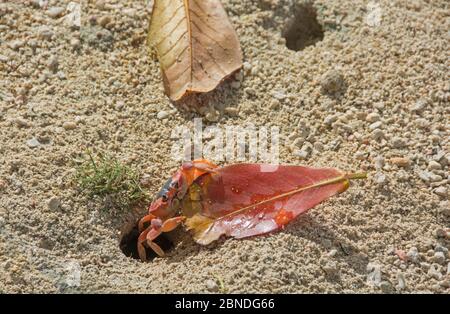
(372, 94)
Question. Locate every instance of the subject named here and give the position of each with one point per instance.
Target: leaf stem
(358, 175)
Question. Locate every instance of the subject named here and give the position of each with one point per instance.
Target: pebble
(330, 119)
(16, 44)
(398, 142)
(373, 117)
(33, 143)
(439, 258)
(332, 253)
(69, 125)
(375, 125)
(441, 191)
(413, 255)
(21, 122)
(441, 233)
(53, 64)
(232, 111)
(386, 287)
(212, 286)
(419, 105)
(377, 134)
(55, 12)
(433, 272)
(440, 248)
(374, 276)
(75, 43)
(401, 161)
(104, 20)
(54, 203)
(331, 268)
(162, 114)
(434, 165)
(279, 95)
(45, 33)
(401, 281)
(274, 104)
(379, 162)
(380, 178)
(332, 82)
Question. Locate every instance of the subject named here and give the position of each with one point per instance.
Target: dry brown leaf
(196, 45)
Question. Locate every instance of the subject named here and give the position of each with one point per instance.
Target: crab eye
(164, 198)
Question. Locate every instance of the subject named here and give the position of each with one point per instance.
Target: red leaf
(244, 200)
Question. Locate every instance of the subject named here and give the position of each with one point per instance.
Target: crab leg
(154, 231)
(143, 220)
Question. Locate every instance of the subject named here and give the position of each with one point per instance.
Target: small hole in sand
(128, 242)
(303, 29)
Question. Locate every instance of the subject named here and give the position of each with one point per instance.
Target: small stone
(274, 104)
(45, 33)
(53, 63)
(413, 255)
(373, 117)
(441, 233)
(232, 111)
(302, 154)
(439, 258)
(212, 286)
(119, 105)
(375, 125)
(16, 44)
(401, 161)
(69, 125)
(61, 75)
(441, 191)
(374, 276)
(440, 248)
(33, 143)
(398, 142)
(104, 20)
(434, 165)
(330, 119)
(332, 82)
(419, 105)
(377, 134)
(75, 43)
(386, 287)
(55, 12)
(279, 95)
(433, 272)
(162, 114)
(401, 281)
(380, 178)
(54, 203)
(332, 253)
(331, 268)
(100, 4)
(22, 123)
(379, 162)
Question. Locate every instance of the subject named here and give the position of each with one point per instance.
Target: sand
(370, 93)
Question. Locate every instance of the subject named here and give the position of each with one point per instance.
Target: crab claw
(153, 231)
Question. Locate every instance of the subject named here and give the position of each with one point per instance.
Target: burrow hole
(128, 242)
(302, 29)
